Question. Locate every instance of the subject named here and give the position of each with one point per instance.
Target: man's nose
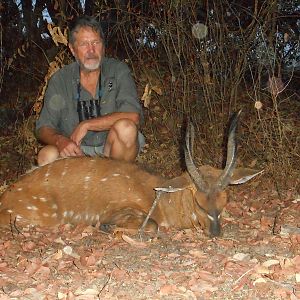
(91, 47)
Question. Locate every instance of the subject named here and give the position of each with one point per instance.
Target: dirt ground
(258, 257)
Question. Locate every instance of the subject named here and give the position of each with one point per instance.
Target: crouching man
(90, 106)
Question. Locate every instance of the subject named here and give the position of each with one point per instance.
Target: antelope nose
(215, 229)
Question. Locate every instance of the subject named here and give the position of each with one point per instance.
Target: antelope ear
(180, 182)
(242, 175)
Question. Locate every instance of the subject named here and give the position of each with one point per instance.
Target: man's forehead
(86, 30)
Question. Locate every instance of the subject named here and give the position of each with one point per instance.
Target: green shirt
(118, 94)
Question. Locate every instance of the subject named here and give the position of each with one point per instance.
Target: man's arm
(66, 147)
(101, 124)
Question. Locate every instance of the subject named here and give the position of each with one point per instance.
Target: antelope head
(210, 197)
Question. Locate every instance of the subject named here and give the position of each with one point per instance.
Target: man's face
(88, 48)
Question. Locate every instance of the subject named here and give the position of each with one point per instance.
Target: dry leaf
(198, 253)
(147, 96)
(263, 270)
(157, 89)
(132, 242)
(271, 262)
(241, 256)
(259, 280)
(57, 35)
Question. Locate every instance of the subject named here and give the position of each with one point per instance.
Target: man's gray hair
(84, 21)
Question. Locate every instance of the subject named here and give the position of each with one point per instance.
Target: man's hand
(67, 147)
(79, 133)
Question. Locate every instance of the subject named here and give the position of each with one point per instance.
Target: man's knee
(125, 131)
(47, 155)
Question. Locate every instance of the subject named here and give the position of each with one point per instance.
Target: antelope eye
(214, 218)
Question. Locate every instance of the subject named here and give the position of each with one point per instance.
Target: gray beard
(87, 68)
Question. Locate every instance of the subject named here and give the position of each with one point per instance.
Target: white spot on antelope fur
(45, 215)
(97, 218)
(43, 199)
(10, 211)
(18, 217)
(32, 207)
(47, 174)
(54, 215)
(164, 224)
(19, 189)
(34, 197)
(77, 218)
(116, 174)
(127, 176)
(20, 200)
(194, 217)
(138, 199)
(87, 178)
(103, 179)
(68, 214)
(54, 206)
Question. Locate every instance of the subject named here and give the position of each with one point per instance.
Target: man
(90, 106)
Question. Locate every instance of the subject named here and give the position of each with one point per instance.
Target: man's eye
(85, 44)
(92, 43)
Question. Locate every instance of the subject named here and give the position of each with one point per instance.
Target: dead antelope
(92, 190)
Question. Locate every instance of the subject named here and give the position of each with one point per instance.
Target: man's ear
(242, 175)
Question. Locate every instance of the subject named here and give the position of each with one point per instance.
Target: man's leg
(122, 141)
(47, 155)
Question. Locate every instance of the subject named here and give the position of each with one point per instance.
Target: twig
(105, 284)
(141, 230)
(242, 276)
(13, 225)
(159, 191)
(44, 53)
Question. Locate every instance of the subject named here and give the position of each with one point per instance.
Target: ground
(258, 257)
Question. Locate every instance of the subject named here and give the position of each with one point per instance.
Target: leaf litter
(252, 260)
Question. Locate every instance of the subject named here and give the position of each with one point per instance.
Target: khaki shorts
(99, 150)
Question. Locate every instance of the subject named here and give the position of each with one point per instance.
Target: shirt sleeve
(127, 98)
(53, 105)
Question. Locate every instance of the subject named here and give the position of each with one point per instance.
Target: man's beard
(92, 66)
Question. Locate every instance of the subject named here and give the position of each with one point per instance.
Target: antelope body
(92, 190)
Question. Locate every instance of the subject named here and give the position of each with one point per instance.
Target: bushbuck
(110, 192)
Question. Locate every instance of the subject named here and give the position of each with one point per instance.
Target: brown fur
(91, 190)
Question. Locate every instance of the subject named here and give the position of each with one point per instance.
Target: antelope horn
(191, 168)
(224, 178)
